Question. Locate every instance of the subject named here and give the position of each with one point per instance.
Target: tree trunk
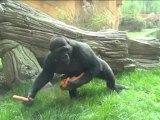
(19, 63)
(146, 53)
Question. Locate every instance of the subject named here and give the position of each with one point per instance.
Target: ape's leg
(108, 75)
(73, 93)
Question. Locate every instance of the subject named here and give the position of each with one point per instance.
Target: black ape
(72, 58)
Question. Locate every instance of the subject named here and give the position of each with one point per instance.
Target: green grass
(142, 34)
(140, 102)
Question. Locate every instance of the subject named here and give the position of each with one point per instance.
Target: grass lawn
(141, 34)
(140, 102)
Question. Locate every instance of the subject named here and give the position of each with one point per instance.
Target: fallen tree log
(146, 53)
(19, 63)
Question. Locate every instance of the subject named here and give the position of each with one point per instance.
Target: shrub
(98, 21)
(132, 23)
(153, 20)
(66, 17)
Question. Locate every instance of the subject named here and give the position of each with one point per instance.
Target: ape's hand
(29, 102)
(71, 82)
(25, 100)
(68, 84)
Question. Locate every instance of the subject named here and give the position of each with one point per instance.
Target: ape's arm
(72, 84)
(44, 77)
(87, 77)
(40, 82)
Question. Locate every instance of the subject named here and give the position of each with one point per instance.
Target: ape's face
(62, 57)
(61, 51)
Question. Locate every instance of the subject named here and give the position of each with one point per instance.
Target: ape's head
(61, 50)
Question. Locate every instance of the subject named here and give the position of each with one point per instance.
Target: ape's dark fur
(72, 58)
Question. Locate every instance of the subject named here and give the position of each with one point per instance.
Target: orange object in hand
(21, 98)
(64, 82)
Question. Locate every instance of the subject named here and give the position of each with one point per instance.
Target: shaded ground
(3, 88)
(3, 92)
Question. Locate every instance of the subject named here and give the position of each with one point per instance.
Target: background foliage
(131, 11)
(140, 6)
(131, 23)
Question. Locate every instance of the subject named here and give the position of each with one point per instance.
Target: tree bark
(146, 53)
(19, 63)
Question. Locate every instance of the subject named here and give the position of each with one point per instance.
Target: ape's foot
(119, 88)
(74, 94)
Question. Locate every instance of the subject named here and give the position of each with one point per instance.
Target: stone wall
(74, 8)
